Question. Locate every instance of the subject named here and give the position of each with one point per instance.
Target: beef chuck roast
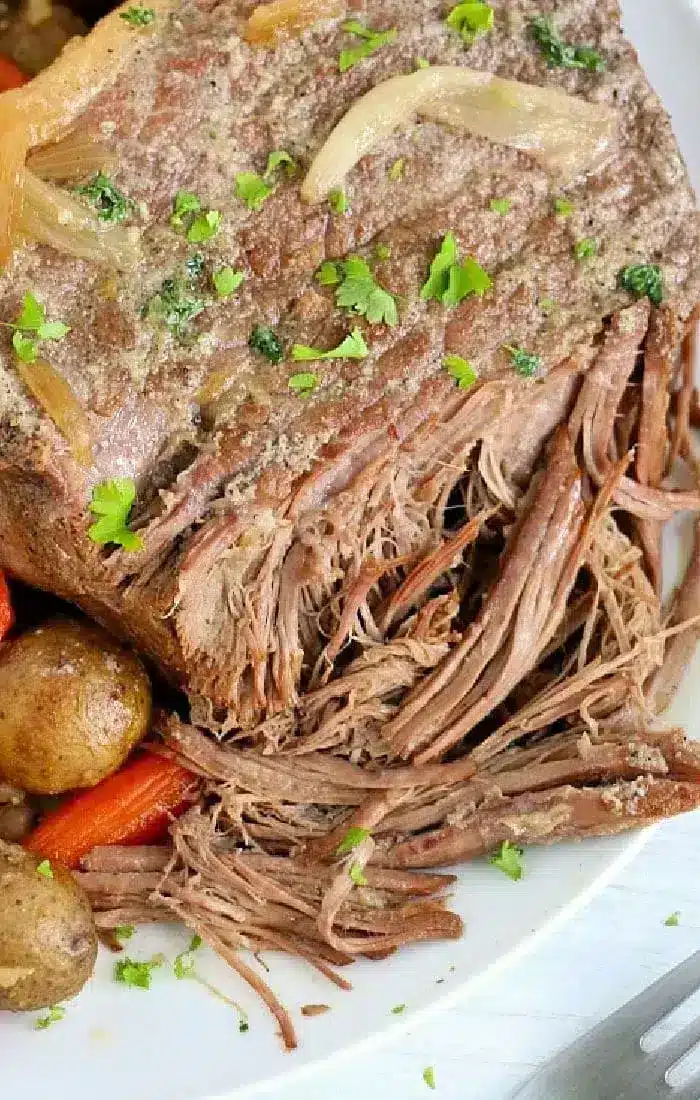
(257, 506)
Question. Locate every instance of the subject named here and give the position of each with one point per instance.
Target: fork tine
(673, 1050)
(660, 998)
(688, 1091)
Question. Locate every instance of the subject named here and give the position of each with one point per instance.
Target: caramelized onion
(76, 155)
(59, 403)
(268, 21)
(565, 133)
(54, 217)
(37, 11)
(13, 150)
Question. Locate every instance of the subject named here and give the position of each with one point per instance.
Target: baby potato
(48, 941)
(73, 704)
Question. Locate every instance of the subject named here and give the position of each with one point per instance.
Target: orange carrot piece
(11, 76)
(7, 615)
(133, 806)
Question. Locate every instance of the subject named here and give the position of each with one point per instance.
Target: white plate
(177, 1042)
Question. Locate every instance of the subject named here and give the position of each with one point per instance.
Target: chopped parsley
(471, 20)
(110, 203)
(176, 305)
(194, 266)
(585, 248)
(398, 1009)
(329, 273)
(547, 305)
(429, 1077)
(352, 347)
(184, 203)
(44, 869)
(124, 931)
(560, 54)
(508, 859)
(397, 170)
(188, 215)
(371, 41)
(673, 919)
(564, 207)
(226, 281)
(357, 874)
(265, 340)
(303, 383)
(204, 227)
(138, 16)
(449, 281)
(382, 251)
(500, 206)
(254, 189)
(359, 292)
(111, 502)
(184, 964)
(53, 1016)
(643, 280)
(338, 201)
(137, 974)
(31, 326)
(422, 63)
(353, 837)
(525, 362)
(461, 370)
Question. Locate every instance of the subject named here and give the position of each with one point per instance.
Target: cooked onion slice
(268, 21)
(13, 151)
(565, 133)
(52, 216)
(76, 155)
(37, 11)
(59, 403)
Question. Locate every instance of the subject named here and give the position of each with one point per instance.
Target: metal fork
(608, 1062)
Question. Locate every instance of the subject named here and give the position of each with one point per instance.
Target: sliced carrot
(11, 76)
(7, 615)
(133, 806)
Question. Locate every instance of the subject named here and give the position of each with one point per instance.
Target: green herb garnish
(643, 280)
(183, 966)
(500, 206)
(204, 227)
(137, 974)
(585, 248)
(352, 347)
(357, 875)
(194, 266)
(54, 1015)
(564, 207)
(44, 869)
(175, 306)
(398, 1009)
(138, 16)
(438, 279)
(461, 370)
(508, 859)
(382, 251)
(329, 273)
(184, 203)
(353, 837)
(422, 63)
(429, 1077)
(525, 362)
(471, 20)
(371, 42)
(124, 931)
(280, 158)
(673, 920)
(267, 342)
(338, 201)
(112, 501)
(360, 293)
(397, 170)
(111, 204)
(560, 54)
(449, 281)
(226, 281)
(303, 383)
(31, 326)
(547, 305)
(254, 189)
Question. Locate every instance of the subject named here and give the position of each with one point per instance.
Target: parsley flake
(44, 869)
(500, 206)
(525, 362)
(110, 203)
(25, 347)
(461, 370)
(643, 280)
(280, 158)
(357, 875)
(547, 305)
(371, 42)
(176, 305)
(673, 919)
(398, 1009)
(112, 501)
(124, 931)
(303, 383)
(397, 170)
(563, 207)
(31, 326)
(226, 281)
(449, 281)
(329, 273)
(560, 54)
(138, 16)
(137, 974)
(184, 964)
(585, 248)
(429, 1077)
(422, 63)
(184, 203)
(437, 281)
(53, 1016)
(353, 837)
(382, 251)
(471, 20)
(338, 201)
(204, 227)
(267, 342)
(254, 189)
(360, 293)
(352, 347)
(508, 859)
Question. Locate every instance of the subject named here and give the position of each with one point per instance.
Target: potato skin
(73, 704)
(46, 929)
